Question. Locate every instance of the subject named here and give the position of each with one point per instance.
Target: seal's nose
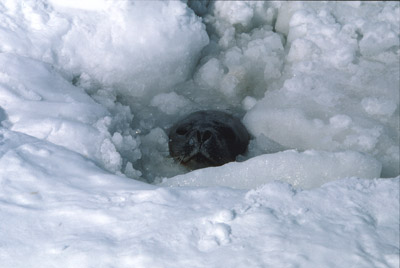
(203, 136)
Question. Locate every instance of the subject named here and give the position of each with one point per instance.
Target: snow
(308, 169)
(88, 90)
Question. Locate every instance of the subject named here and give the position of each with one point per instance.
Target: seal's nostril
(207, 135)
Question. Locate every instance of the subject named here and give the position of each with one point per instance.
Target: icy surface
(59, 209)
(309, 169)
(88, 90)
(341, 86)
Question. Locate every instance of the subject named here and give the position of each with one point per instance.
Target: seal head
(207, 138)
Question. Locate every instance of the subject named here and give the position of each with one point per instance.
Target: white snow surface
(308, 170)
(89, 89)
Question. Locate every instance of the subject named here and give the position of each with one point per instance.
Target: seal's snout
(203, 136)
(207, 138)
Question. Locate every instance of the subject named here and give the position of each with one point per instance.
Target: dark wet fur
(207, 138)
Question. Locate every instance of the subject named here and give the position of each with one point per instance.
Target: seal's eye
(182, 130)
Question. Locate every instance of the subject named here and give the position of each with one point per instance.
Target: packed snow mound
(124, 44)
(305, 170)
(341, 82)
(59, 209)
(41, 103)
(34, 165)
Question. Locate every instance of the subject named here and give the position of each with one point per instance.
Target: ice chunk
(285, 13)
(210, 73)
(140, 48)
(170, 103)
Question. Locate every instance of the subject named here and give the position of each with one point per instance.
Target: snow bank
(110, 50)
(41, 103)
(59, 209)
(31, 166)
(306, 170)
(341, 81)
(136, 47)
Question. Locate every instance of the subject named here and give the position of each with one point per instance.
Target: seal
(207, 138)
